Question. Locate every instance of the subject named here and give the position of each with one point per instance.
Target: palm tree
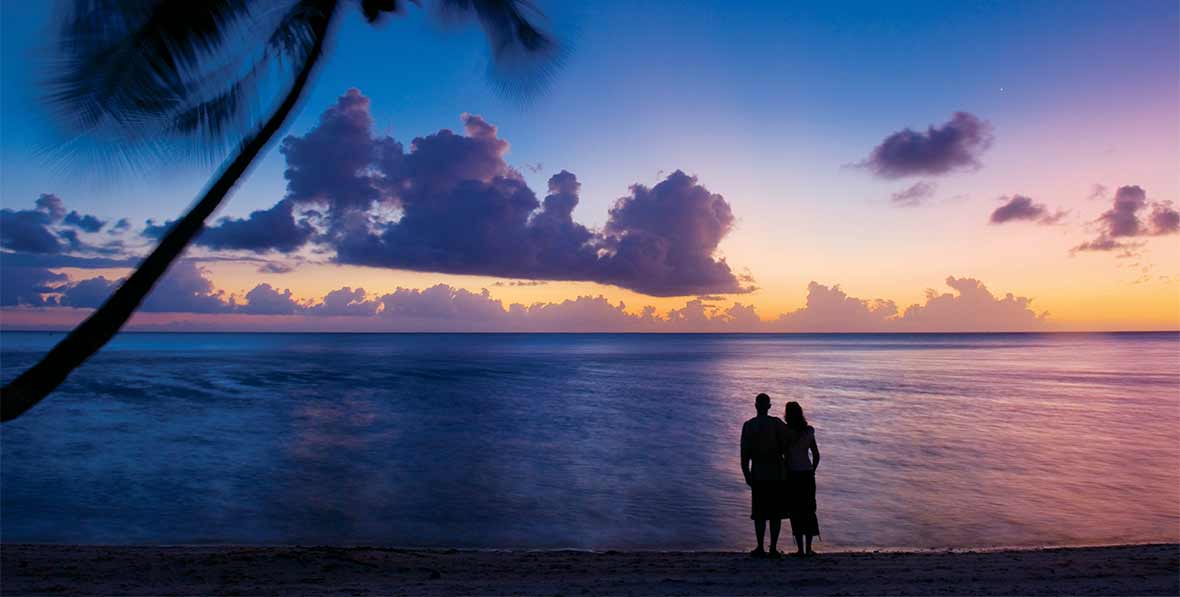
(158, 71)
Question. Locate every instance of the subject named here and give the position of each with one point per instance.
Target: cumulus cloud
(971, 308)
(264, 299)
(339, 163)
(452, 204)
(914, 195)
(830, 309)
(1123, 221)
(89, 293)
(276, 228)
(662, 240)
(32, 230)
(185, 288)
(83, 222)
(346, 302)
(1021, 208)
(955, 145)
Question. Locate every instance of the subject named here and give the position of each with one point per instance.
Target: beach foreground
(186, 570)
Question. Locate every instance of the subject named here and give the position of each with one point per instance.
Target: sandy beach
(190, 570)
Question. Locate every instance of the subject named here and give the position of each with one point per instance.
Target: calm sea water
(593, 441)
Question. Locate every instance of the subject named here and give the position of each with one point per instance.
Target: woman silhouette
(801, 478)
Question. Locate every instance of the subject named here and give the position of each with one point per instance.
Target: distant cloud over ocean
(188, 292)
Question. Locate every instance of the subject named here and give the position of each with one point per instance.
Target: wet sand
(191, 570)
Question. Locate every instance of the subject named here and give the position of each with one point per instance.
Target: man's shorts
(766, 500)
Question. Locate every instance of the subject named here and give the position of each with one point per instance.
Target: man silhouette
(764, 441)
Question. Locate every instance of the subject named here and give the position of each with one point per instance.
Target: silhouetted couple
(779, 461)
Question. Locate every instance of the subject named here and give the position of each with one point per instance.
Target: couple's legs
(803, 543)
(776, 526)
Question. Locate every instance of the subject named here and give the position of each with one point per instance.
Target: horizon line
(612, 333)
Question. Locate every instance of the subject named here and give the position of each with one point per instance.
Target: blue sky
(766, 102)
(640, 77)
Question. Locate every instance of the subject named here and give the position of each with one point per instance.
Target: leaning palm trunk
(91, 335)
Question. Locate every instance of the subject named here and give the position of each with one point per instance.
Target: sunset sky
(928, 159)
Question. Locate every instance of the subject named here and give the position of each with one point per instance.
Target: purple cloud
(1021, 208)
(1122, 220)
(31, 230)
(914, 195)
(956, 145)
(89, 293)
(346, 302)
(1164, 218)
(83, 222)
(452, 204)
(339, 165)
(263, 230)
(26, 286)
(46, 229)
(186, 288)
(264, 299)
(153, 230)
(662, 240)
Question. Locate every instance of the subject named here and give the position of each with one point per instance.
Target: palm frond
(162, 77)
(524, 55)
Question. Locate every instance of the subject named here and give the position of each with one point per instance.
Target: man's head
(762, 403)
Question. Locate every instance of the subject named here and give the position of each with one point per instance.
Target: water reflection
(594, 441)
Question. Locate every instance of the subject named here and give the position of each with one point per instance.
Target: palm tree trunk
(34, 384)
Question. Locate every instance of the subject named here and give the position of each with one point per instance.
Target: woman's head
(794, 416)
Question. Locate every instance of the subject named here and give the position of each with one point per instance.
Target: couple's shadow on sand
(779, 459)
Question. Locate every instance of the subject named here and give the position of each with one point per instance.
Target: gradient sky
(769, 104)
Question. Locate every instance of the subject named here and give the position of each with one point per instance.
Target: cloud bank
(955, 145)
(187, 291)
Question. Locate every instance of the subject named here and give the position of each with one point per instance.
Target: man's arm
(745, 449)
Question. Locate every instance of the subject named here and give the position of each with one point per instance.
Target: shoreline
(361, 570)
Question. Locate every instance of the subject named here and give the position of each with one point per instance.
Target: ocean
(593, 441)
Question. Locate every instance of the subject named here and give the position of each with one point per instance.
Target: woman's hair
(794, 416)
